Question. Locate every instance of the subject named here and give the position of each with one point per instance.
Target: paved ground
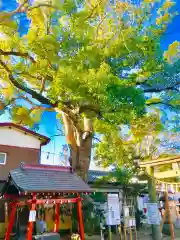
(143, 234)
(142, 237)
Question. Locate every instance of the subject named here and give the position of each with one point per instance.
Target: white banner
(113, 213)
(153, 214)
(32, 216)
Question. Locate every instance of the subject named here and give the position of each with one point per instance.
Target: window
(2, 158)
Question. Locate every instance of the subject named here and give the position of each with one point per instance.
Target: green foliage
(148, 125)
(21, 115)
(73, 55)
(114, 149)
(77, 57)
(153, 100)
(173, 52)
(121, 175)
(25, 116)
(111, 150)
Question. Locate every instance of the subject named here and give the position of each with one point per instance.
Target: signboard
(126, 211)
(32, 216)
(113, 212)
(48, 205)
(132, 222)
(153, 214)
(174, 197)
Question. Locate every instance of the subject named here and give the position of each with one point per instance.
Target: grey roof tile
(39, 180)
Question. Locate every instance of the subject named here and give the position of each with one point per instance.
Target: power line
(59, 153)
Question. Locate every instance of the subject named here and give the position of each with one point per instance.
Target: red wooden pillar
(80, 219)
(56, 223)
(11, 221)
(31, 224)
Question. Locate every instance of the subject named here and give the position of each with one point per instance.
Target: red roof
(46, 167)
(44, 140)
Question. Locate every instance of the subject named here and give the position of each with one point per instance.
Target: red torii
(46, 175)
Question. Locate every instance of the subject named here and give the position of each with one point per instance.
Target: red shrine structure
(43, 184)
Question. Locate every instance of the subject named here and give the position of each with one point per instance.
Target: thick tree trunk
(80, 144)
(80, 158)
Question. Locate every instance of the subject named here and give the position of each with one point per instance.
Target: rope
(166, 184)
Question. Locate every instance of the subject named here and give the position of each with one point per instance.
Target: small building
(36, 185)
(17, 144)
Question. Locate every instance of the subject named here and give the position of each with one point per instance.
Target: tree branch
(22, 8)
(12, 100)
(57, 135)
(49, 78)
(157, 89)
(25, 99)
(42, 5)
(97, 139)
(93, 10)
(38, 96)
(163, 103)
(41, 98)
(43, 85)
(90, 107)
(71, 116)
(19, 86)
(17, 10)
(19, 54)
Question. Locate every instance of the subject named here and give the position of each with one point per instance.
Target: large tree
(90, 61)
(141, 141)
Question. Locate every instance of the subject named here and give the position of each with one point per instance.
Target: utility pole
(156, 232)
(65, 153)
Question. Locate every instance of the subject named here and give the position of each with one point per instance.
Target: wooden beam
(47, 201)
(175, 166)
(169, 216)
(6, 213)
(161, 161)
(11, 221)
(12, 197)
(167, 174)
(31, 224)
(56, 224)
(163, 219)
(80, 219)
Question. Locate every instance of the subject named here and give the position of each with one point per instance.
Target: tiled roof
(94, 175)
(45, 178)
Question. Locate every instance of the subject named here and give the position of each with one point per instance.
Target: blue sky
(47, 127)
(48, 121)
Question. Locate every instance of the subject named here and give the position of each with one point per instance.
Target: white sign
(132, 222)
(48, 205)
(174, 197)
(126, 211)
(32, 216)
(153, 214)
(113, 213)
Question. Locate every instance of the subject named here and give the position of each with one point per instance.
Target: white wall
(14, 137)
